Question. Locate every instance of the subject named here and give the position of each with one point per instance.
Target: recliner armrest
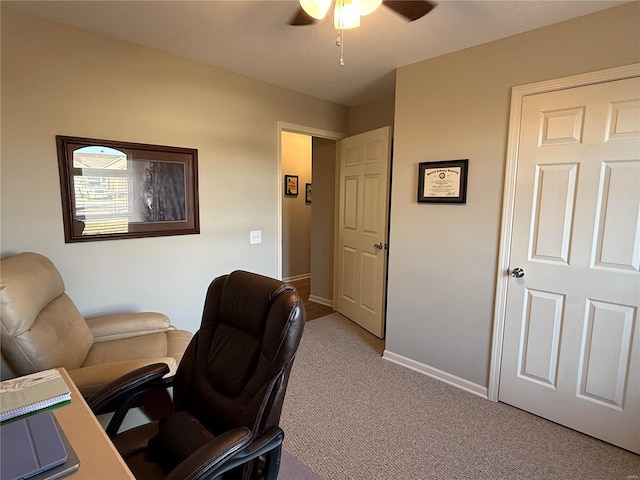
(126, 325)
(199, 464)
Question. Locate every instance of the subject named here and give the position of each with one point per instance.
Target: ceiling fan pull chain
(340, 43)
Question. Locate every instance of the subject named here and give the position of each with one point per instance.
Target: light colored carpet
(349, 414)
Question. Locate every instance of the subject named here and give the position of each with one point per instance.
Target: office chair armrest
(269, 444)
(201, 463)
(267, 441)
(106, 328)
(119, 394)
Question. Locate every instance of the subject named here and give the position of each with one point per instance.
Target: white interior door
(571, 348)
(362, 228)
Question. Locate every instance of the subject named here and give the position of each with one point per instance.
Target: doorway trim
(517, 96)
(304, 130)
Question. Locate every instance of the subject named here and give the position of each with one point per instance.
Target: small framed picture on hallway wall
(291, 185)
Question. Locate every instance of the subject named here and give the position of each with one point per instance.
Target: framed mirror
(114, 190)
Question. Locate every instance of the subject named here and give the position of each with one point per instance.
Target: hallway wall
(296, 213)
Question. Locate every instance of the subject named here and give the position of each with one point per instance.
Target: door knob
(517, 272)
(377, 246)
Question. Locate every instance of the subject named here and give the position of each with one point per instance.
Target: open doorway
(296, 164)
(306, 213)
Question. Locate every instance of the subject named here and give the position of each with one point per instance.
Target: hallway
(314, 310)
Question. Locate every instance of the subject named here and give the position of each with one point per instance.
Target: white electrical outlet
(255, 236)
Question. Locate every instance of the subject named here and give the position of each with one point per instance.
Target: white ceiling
(253, 38)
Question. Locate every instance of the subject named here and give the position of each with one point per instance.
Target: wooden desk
(99, 459)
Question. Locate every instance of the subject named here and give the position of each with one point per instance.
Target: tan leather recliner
(42, 329)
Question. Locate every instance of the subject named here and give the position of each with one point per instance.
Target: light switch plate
(255, 236)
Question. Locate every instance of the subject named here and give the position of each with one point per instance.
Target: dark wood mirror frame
(114, 190)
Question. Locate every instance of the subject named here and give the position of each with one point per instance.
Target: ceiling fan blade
(301, 18)
(410, 9)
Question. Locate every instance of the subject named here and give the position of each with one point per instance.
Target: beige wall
(370, 116)
(296, 213)
(322, 219)
(443, 258)
(60, 80)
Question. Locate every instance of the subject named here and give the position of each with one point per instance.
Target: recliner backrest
(41, 327)
(235, 371)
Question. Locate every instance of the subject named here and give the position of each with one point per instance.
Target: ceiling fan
(347, 12)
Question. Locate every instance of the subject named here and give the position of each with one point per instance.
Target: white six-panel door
(571, 347)
(362, 230)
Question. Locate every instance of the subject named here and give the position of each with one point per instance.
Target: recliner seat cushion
(109, 360)
(172, 343)
(147, 346)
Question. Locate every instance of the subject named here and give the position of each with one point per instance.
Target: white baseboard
(322, 301)
(297, 277)
(445, 377)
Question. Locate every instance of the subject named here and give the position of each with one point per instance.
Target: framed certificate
(443, 182)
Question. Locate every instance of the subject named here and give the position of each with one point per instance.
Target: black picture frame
(307, 193)
(291, 185)
(443, 181)
(116, 190)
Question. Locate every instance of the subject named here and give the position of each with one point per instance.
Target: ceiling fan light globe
(316, 8)
(345, 15)
(365, 7)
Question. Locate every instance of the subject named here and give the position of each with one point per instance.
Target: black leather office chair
(228, 390)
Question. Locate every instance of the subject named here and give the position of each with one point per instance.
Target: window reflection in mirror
(101, 189)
